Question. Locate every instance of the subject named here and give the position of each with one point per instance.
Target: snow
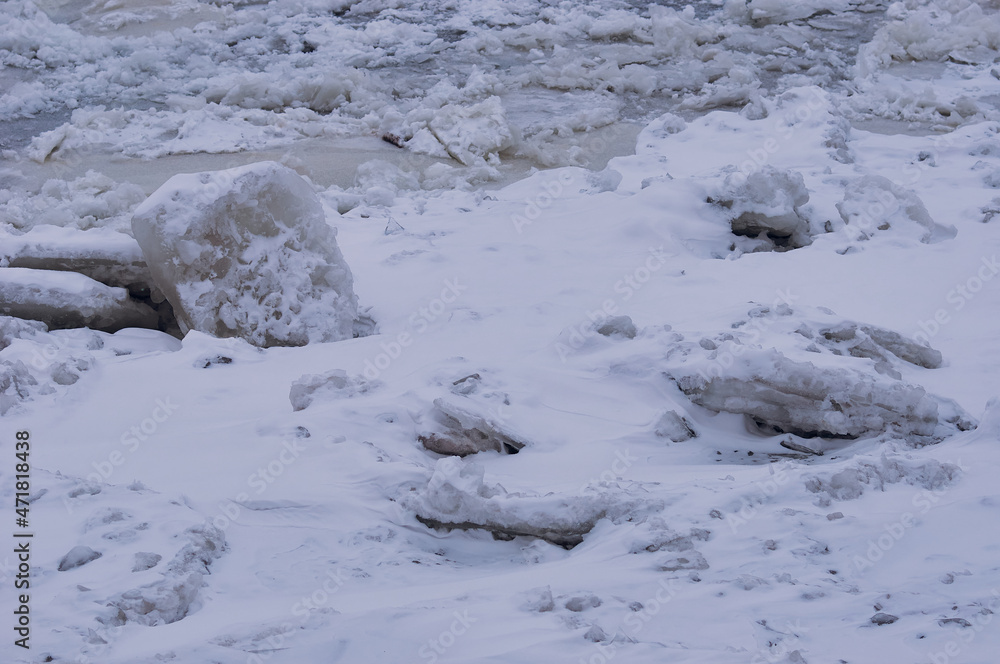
(223, 246)
(669, 332)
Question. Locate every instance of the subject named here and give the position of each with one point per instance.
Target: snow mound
(332, 383)
(34, 362)
(873, 202)
(850, 483)
(457, 497)
(67, 299)
(247, 252)
(815, 376)
(175, 595)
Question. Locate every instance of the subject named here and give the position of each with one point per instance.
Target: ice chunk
(618, 326)
(675, 427)
(798, 397)
(464, 431)
(67, 299)
(15, 328)
(77, 557)
(145, 560)
(873, 342)
(473, 134)
(850, 483)
(873, 202)
(765, 204)
(107, 256)
(457, 497)
(815, 376)
(247, 252)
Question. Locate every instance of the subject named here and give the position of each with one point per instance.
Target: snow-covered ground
(712, 288)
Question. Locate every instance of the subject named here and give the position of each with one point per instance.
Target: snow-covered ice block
(457, 497)
(460, 431)
(77, 557)
(473, 134)
(765, 204)
(800, 398)
(247, 252)
(104, 255)
(674, 426)
(68, 299)
(816, 375)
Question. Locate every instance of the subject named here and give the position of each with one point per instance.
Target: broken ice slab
(104, 255)
(463, 431)
(66, 299)
(831, 378)
(457, 498)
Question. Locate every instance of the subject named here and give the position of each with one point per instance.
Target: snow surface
(676, 340)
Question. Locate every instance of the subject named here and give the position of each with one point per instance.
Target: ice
(90, 201)
(618, 326)
(473, 134)
(458, 497)
(835, 472)
(77, 557)
(766, 205)
(842, 381)
(107, 256)
(248, 253)
(67, 299)
(16, 328)
(674, 427)
(461, 430)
